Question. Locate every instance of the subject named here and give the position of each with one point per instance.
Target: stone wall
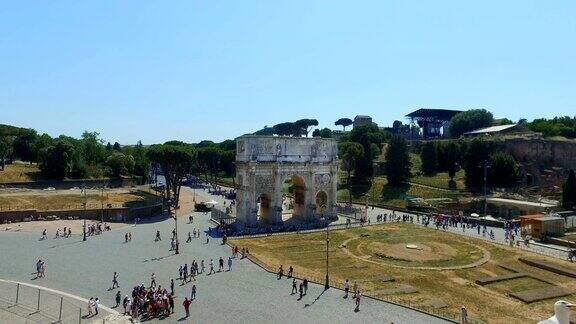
(546, 153)
(117, 214)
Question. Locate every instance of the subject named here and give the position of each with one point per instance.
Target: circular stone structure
(451, 254)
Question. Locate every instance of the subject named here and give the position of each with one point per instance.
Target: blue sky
(192, 70)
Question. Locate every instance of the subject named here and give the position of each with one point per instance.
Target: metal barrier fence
(39, 305)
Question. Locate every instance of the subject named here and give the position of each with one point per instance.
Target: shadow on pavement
(312, 303)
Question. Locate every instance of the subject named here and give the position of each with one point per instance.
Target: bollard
(17, 292)
(60, 314)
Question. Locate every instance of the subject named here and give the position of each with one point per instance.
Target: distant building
(500, 130)
(362, 120)
(432, 122)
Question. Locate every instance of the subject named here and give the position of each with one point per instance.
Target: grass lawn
(369, 254)
(441, 180)
(19, 172)
(74, 200)
(381, 193)
(516, 285)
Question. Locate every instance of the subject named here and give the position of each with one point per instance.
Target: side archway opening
(264, 209)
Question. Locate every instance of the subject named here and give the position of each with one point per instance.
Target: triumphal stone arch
(264, 166)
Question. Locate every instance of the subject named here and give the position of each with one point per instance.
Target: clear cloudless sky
(193, 70)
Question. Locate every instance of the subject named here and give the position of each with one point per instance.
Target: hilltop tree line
(558, 126)
(68, 157)
(90, 157)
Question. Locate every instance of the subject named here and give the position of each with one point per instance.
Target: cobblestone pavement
(245, 294)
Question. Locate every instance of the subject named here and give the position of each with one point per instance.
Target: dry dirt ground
(440, 278)
(20, 199)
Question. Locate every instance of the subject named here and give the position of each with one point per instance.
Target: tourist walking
(211, 266)
(115, 280)
(358, 297)
(464, 315)
(294, 289)
(171, 303)
(220, 264)
(153, 280)
(126, 304)
(90, 306)
(305, 284)
(346, 288)
(186, 305)
(229, 263)
(96, 306)
(193, 292)
(118, 298)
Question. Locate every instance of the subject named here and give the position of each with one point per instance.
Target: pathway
(246, 294)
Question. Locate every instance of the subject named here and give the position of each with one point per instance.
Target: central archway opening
(295, 200)
(264, 203)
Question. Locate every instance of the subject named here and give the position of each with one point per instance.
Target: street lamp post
(327, 283)
(102, 204)
(175, 226)
(486, 166)
(85, 201)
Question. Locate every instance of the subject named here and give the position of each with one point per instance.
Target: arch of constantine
(266, 165)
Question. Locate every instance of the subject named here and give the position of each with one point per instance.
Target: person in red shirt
(186, 305)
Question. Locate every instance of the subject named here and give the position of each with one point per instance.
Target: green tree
(504, 171)
(477, 153)
(6, 148)
(303, 126)
(559, 126)
(371, 138)
(57, 161)
(428, 157)
(209, 161)
(469, 120)
(266, 131)
(24, 145)
(349, 153)
(396, 126)
(324, 133)
(397, 161)
(93, 150)
(452, 160)
(569, 191)
(176, 162)
(116, 146)
(120, 164)
(285, 129)
(344, 122)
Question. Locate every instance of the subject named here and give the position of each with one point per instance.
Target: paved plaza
(247, 293)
